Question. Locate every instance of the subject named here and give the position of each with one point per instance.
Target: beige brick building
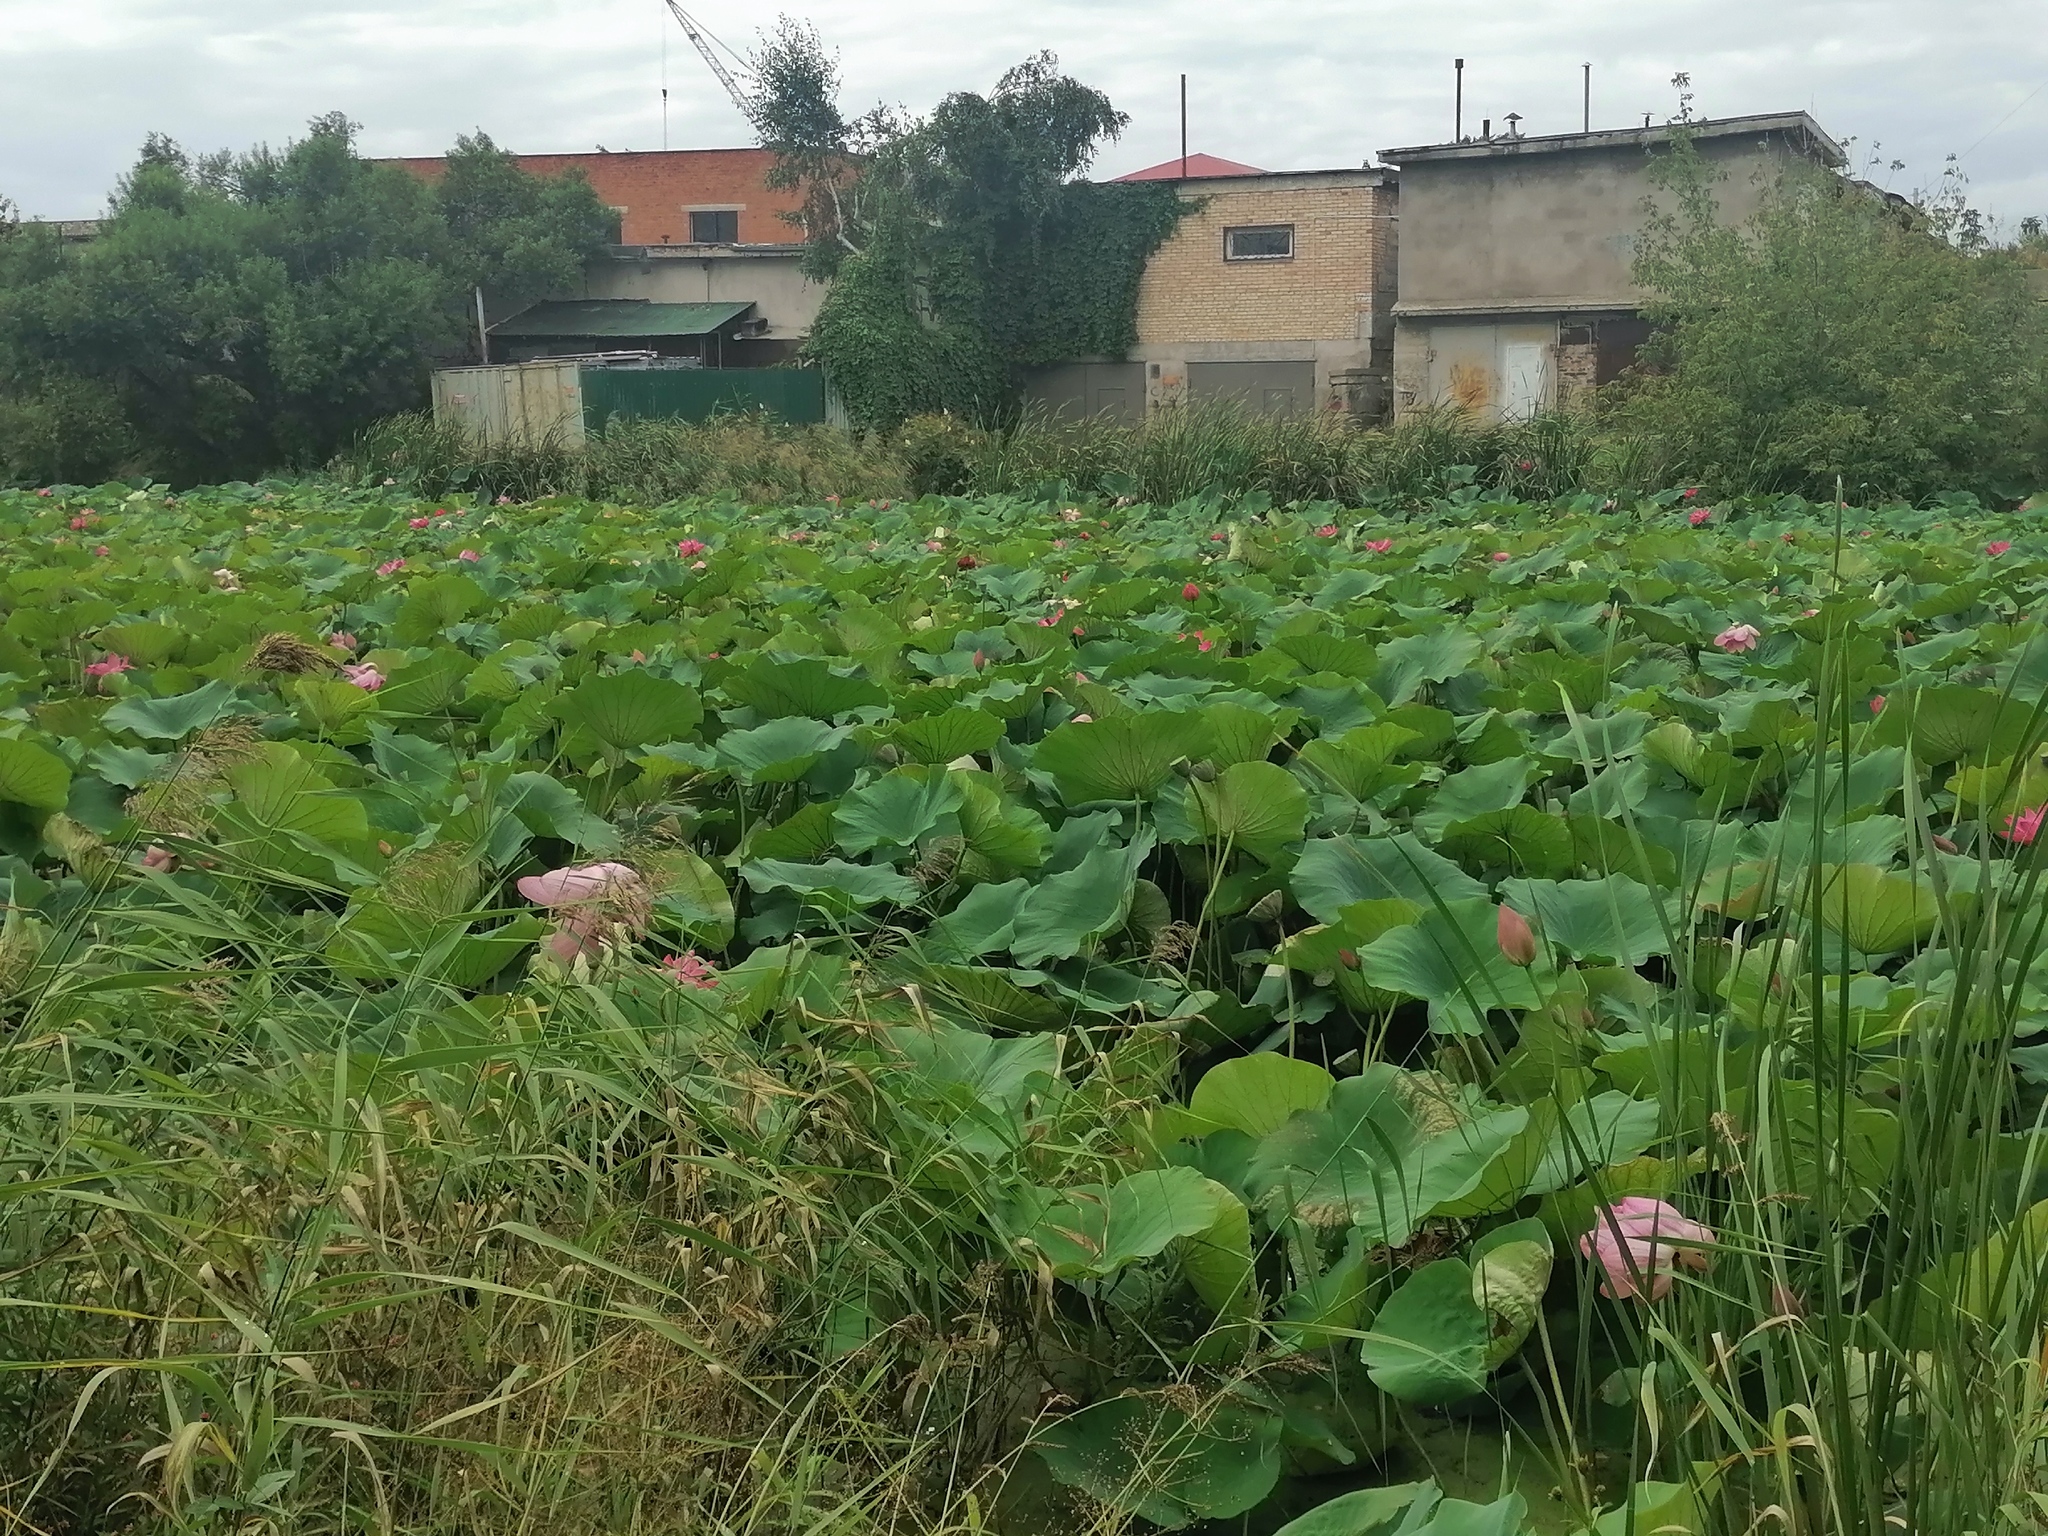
(1276, 290)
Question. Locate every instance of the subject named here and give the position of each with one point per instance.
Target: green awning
(616, 317)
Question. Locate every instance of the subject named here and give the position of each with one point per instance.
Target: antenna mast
(696, 35)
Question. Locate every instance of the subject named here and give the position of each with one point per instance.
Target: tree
(244, 313)
(518, 236)
(958, 268)
(1834, 334)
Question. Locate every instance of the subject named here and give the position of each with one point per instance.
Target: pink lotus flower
(592, 897)
(1071, 515)
(1048, 621)
(1877, 704)
(1638, 1241)
(966, 562)
(390, 566)
(1738, 637)
(1219, 536)
(416, 522)
(1203, 642)
(1327, 531)
(156, 856)
(342, 640)
(45, 491)
(440, 511)
(580, 884)
(1517, 939)
(688, 970)
(2024, 827)
(1082, 720)
(1690, 493)
(102, 551)
(1997, 547)
(469, 555)
(1379, 546)
(365, 676)
(1499, 555)
(1190, 592)
(690, 549)
(113, 664)
(934, 545)
(503, 501)
(83, 520)
(1699, 515)
(1059, 543)
(980, 660)
(1526, 465)
(797, 535)
(1079, 631)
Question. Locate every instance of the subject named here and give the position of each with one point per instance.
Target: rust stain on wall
(1471, 386)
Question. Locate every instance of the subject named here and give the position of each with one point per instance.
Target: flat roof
(616, 317)
(1796, 126)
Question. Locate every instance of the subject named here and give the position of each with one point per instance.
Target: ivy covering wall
(963, 247)
(916, 325)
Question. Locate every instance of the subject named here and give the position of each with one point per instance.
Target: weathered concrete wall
(1324, 314)
(773, 280)
(1552, 230)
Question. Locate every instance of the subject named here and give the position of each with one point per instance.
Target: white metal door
(1523, 365)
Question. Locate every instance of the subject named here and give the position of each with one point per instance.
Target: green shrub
(1834, 335)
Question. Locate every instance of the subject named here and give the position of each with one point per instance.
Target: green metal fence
(695, 394)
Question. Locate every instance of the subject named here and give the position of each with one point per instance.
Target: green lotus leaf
(1256, 1094)
(1876, 911)
(633, 709)
(895, 810)
(30, 775)
(1127, 758)
(1257, 806)
(1146, 1454)
(1334, 872)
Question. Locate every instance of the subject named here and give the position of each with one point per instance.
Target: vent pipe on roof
(1486, 129)
(1183, 126)
(1458, 110)
(1588, 68)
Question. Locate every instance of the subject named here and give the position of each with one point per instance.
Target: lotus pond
(1020, 1015)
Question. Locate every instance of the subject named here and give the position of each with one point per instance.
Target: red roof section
(1197, 165)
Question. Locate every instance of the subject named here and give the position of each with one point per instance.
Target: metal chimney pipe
(1458, 111)
(1486, 129)
(1589, 97)
(1183, 126)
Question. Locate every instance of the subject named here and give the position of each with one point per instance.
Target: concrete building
(1514, 266)
(1274, 291)
(696, 227)
(768, 277)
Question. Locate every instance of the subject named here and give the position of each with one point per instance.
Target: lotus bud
(888, 755)
(1204, 770)
(1517, 938)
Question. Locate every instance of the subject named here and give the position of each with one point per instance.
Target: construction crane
(698, 38)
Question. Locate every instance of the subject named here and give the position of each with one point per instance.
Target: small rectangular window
(1259, 242)
(717, 226)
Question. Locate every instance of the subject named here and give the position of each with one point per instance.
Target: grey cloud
(1301, 83)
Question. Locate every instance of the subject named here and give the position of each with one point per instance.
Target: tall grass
(1168, 458)
(283, 1253)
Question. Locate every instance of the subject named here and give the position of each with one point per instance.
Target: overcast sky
(1283, 84)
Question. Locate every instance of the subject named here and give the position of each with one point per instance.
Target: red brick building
(673, 196)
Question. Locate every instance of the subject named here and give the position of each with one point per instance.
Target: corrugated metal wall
(526, 401)
(694, 394)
